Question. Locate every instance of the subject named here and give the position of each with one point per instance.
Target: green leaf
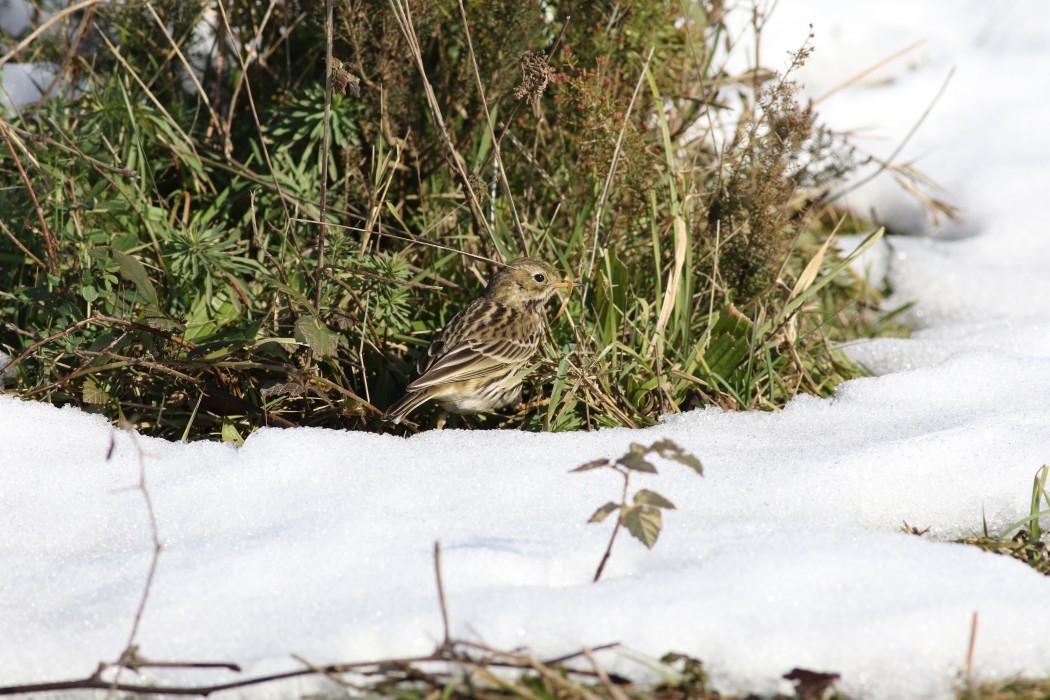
(636, 462)
(652, 498)
(317, 336)
(230, 434)
(665, 447)
(92, 393)
(644, 523)
(133, 271)
(603, 512)
(89, 293)
(730, 343)
(689, 461)
(594, 464)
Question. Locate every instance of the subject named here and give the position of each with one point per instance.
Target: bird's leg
(442, 417)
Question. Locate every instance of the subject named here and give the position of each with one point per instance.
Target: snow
(787, 553)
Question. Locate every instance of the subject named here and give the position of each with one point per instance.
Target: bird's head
(525, 281)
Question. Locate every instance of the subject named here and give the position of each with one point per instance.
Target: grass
(207, 239)
(1025, 539)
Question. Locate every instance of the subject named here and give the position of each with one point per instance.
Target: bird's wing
(473, 358)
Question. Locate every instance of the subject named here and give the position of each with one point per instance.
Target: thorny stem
(616, 529)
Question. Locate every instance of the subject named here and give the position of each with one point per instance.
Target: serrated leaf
(664, 447)
(604, 512)
(652, 498)
(644, 523)
(636, 462)
(689, 461)
(594, 464)
(92, 393)
(317, 336)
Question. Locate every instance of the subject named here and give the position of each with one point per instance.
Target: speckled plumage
(474, 365)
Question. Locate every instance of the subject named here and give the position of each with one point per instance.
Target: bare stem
(325, 146)
(441, 595)
(616, 528)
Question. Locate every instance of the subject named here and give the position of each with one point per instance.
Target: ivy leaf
(317, 336)
(594, 464)
(636, 462)
(604, 512)
(652, 498)
(644, 523)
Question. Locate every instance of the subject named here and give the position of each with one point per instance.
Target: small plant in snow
(642, 517)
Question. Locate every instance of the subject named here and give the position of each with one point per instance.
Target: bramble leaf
(603, 512)
(689, 461)
(644, 523)
(652, 498)
(593, 464)
(636, 462)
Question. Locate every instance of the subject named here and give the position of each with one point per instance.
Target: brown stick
(616, 528)
(325, 145)
(447, 644)
(49, 239)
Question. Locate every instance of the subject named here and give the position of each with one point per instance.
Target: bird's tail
(405, 405)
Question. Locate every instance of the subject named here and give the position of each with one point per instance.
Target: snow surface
(787, 553)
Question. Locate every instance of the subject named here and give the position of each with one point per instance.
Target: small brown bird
(475, 364)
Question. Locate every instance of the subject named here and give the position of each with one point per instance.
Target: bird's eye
(539, 277)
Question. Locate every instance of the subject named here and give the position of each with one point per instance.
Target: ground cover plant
(164, 260)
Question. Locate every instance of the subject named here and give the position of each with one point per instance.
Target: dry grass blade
(673, 279)
(403, 13)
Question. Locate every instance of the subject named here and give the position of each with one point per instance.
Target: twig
(615, 692)
(44, 26)
(869, 70)
(97, 683)
(98, 318)
(884, 164)
(600, 210)
(497, 155)
(409, 239)
(970, 649)
(255, 114)
(130, 657)
(616, 528)
(49, 239)
(447, 643)
(326, 136)
(21, 247)
(382, 278)
(404, 21)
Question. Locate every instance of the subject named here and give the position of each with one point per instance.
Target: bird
(475, 365)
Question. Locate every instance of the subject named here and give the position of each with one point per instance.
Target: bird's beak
(564, 284)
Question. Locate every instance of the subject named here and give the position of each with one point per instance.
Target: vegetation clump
(210, 226)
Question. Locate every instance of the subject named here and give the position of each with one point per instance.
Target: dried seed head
(535, 74)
